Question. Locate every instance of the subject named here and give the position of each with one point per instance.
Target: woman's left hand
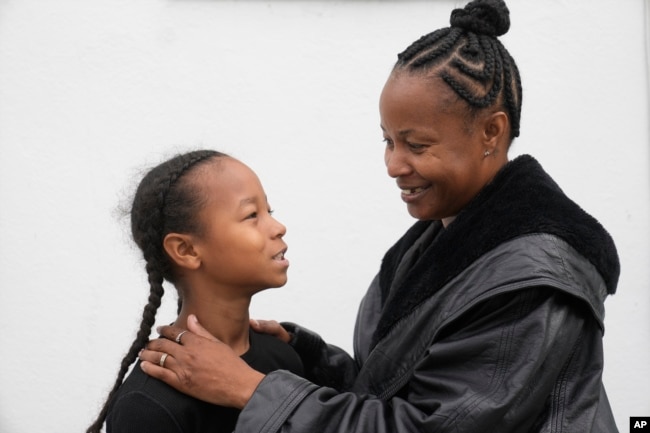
(200, 365)
(271, 327)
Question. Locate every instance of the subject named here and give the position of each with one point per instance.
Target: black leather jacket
(491, 325)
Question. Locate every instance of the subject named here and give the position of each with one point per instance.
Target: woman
(487, 315)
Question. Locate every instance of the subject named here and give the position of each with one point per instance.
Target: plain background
(94, 92)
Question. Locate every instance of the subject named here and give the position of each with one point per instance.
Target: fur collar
(522, 199)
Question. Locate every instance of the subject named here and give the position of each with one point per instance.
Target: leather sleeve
(496, 368)
(325, 364)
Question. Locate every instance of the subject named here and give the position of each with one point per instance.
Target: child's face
(241, 245)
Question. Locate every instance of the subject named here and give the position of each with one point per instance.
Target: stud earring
(487, 153)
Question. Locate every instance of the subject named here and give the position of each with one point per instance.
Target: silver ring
(162, 360)
(178, 337)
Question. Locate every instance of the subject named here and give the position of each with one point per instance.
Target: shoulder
(144, 404)
(139, 405)
(530, 261)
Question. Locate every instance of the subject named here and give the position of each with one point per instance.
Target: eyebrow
(250, 200)
(245, 201)
(401, 133)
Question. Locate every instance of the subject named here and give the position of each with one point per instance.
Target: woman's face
(241, 243)
(436, 155)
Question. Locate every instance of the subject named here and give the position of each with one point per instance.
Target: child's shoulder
(268, 353)
(143, 403)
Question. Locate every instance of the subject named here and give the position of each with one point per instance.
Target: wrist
(252, 381)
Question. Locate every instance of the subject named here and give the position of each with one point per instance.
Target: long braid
(471, 60)
(162, 204)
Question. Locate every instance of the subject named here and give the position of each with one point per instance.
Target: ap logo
(640, 424)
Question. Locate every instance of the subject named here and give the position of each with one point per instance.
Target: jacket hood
(522, 199)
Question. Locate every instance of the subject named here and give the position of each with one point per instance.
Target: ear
(180, 249)
(496, 130)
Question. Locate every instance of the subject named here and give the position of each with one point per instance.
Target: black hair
(471, 60)
(165, 202)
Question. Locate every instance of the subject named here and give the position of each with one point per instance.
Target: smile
(280, 255)
(411, 191)
(412, 195)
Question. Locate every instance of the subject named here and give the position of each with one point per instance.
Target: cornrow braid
(471, 60)
(163, 203)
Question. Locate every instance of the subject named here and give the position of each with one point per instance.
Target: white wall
(93, 92)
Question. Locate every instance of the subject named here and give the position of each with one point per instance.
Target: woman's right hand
(200, 365)
(271, 327)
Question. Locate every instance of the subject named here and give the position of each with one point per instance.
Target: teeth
(279, 256)
(412, 190)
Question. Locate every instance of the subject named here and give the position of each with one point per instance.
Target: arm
(493, 369)
(324, 364)
(209, 370)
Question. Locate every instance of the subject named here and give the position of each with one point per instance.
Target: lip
(280, 257)
(412, 194)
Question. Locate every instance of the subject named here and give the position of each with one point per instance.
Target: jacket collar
(522, 199)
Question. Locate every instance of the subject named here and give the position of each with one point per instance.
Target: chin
(278, 284)
(421, 214)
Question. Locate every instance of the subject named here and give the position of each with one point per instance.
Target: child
(203, 223)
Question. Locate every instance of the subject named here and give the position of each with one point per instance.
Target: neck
(225, 318)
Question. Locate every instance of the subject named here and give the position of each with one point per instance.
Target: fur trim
(522, 199)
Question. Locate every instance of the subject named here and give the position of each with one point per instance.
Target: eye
(416, 147)
(389, 143)
(251, 216)
(271, 211)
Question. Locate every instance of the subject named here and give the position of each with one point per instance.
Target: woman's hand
(271, 327)
(200, 365)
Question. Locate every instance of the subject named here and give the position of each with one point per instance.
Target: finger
(153, 356)
(271, 327)
(163, 373)
(195, 327)
(162, 345)
(169, 332)
(265, 326)
(256, 325)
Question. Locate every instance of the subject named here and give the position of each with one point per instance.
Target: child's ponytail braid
(162, 204)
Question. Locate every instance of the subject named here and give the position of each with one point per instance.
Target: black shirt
(147, 405)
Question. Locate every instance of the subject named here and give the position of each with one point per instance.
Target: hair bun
(487, 17)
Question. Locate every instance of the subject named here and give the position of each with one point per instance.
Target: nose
(279, 230)
(396, 164)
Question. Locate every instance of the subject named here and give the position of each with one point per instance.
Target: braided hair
(164, 202)
(470, 59)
